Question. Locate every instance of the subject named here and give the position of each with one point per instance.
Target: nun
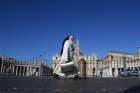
(67, 59)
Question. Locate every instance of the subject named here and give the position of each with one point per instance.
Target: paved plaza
(14, 84)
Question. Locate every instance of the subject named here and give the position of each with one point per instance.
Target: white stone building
(116, 62)
(91, 64)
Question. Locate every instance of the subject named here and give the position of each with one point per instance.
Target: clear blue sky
(29, 28)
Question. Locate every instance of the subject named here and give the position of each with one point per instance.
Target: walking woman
(67, 53)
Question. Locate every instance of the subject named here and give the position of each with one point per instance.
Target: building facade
(111, 66)
(117, 62)
(91, 65)
(11, 66)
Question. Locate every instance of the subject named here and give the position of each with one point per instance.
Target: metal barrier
(38, 66)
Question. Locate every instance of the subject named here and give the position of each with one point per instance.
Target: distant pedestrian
(101, 73)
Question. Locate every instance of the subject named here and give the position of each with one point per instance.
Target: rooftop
(120, 52)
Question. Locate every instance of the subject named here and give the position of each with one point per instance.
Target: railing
(32, 67)
(43, 67)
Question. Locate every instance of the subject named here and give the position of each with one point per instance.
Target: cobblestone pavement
(14, 84)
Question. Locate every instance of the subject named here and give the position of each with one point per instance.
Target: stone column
(1, 65)
(13, 67)
(23, 70)
(17, 70)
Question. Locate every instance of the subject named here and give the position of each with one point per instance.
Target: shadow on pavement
(135, 89)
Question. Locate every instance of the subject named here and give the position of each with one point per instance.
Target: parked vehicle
(129, 72)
